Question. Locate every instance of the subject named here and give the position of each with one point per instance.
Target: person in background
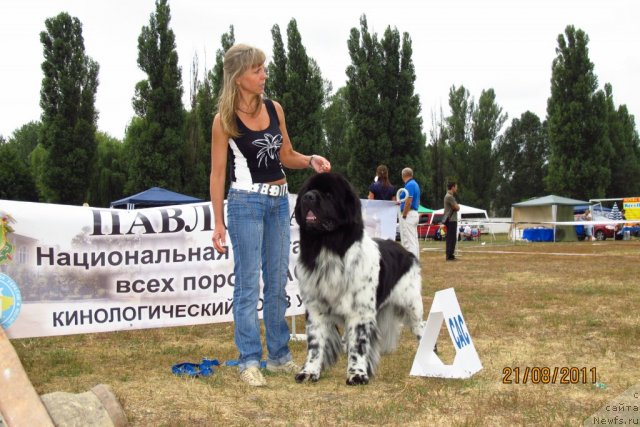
(441, 232)
(475, 234)
(251, 134)
(409, 214)
(619, 228)
(588, 228)
(381, 188)
(467, 232)
(451, 208)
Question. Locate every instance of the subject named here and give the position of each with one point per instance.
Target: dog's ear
(351, 201)
(297, 210)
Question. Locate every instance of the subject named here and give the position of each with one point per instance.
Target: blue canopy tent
(155, 196)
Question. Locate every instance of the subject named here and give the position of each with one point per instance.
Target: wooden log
(20, 404)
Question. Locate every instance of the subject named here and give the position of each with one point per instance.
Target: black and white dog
(347, 279)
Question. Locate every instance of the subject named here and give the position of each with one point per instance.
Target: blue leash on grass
(205, 368)
(196, 370)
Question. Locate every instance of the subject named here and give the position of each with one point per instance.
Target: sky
(506, 45)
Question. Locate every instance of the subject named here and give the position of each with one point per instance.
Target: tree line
(586, 146)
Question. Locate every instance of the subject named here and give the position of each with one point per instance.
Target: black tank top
(254, 156)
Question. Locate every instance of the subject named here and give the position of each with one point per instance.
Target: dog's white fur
(342, 291)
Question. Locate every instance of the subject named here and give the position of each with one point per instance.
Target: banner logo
(6, 248)
(10, 301)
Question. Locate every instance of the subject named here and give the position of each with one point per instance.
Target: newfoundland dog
(370, 287)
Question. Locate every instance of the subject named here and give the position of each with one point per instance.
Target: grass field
(526, 305)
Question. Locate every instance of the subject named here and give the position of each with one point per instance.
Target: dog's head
(328, 203)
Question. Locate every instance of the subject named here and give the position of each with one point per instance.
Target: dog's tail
(390, 328)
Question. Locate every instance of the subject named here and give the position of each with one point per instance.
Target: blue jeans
(260, 236)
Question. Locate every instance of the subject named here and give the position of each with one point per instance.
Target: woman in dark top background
(381, 189)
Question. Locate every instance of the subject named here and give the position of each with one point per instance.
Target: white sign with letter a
(445, 308)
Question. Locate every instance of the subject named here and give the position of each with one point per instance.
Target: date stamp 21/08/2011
(549, 375)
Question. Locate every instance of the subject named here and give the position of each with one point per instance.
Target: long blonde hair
(238, 59)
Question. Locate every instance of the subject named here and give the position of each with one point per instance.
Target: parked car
(427, 229)
(423, 226)
(600, 231)
(428, 226)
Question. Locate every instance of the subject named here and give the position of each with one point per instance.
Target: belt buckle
(273, 190)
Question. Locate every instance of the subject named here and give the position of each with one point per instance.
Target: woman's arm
(219, 148)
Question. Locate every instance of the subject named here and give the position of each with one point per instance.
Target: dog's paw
(303, 376)
(358, 379)
(421, 329)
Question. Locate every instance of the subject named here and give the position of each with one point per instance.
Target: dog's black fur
(369, 286)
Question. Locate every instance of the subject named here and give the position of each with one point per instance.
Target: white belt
(274, 190)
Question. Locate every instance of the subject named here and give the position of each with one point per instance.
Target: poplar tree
(521, 162)
(15, 174)
(437, 154)
(384, 126)
(402, 106)
(487, 120)
(209, 90)
(26, 138)
(199, 120)
(277, 81)
(459, 136)
(15, 163)
(625, 158)
(110, 172)
(335, 121)
(155, 137)
(365, 137)
(301, 93)
(471, 132)
(580, 150)
(69, 116)
(194, 169)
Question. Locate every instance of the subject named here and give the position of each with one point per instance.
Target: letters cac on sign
(445, 308)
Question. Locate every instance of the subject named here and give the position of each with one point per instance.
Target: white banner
(70, 269)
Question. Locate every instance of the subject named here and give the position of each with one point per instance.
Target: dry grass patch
(544, 305)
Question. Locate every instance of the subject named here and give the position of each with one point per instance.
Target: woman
(588, 229)
(251, 132)
(382, 189)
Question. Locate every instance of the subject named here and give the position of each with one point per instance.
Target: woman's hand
(219, 240)
(320, 164)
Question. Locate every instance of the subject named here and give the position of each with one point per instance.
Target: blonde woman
(250, 133)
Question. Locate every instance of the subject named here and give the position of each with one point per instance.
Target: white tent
(544, 212)
(467, 213)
